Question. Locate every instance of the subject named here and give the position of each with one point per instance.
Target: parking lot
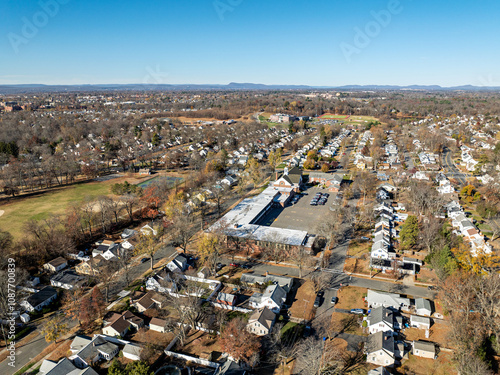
(301, 215)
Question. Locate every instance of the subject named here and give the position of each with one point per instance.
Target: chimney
(276, 175)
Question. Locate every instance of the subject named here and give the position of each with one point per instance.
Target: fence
(185, 357)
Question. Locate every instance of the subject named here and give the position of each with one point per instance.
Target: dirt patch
(61, 351)
(355, 265)
(438, 334)
(303, 303)
(347, 323)
(423, 366)
(351, 297)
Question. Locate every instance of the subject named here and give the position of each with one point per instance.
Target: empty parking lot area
(301, 215)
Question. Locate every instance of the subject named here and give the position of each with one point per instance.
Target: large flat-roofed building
(241, 221)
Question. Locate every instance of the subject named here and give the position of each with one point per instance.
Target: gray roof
(379, 371)
(380, 340)
(41, 296)
(424, 346)
(386, 299)
(381, 315)
(230, 368)
(79, 342)
(422, 303)
(98, 344)
(67, 277)
(283, 281)
(420, 319)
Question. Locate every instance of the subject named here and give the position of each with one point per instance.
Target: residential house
(226, 299)
(40, 299)
(92, 350)
(56, 265)
(178, 264)
(119, 325)
(157, 325)
(261, 322)
(132, 352)
(273, 297)
(379, 371)
(64, 366)
(380, 349)
(128, 233)
(147, 301)
(283, 281)
(204, 273)
(424, 349)
(420, 322)
(392, 300)
(162, 282)
(382, 319)
(423, 307)
(90, 267)
(67, 280)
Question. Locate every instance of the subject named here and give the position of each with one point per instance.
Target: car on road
(144, 260)
(334, 300)
(235, 264)
(357, 311)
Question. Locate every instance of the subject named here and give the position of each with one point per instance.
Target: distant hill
(39, 88)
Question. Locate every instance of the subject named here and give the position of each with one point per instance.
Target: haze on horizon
(319, 43)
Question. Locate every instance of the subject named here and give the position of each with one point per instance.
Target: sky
(316, 42)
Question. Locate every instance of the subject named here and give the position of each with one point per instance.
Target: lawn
(351, 297)
(57, 201)
(303, 304)
(358, 248)
(424, 366)
(438, 334)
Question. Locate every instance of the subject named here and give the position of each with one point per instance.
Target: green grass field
(40, 207)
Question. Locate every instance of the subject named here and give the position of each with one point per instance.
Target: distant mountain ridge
(40, 88)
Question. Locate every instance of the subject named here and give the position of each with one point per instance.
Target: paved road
(27, 352)
(451, 169)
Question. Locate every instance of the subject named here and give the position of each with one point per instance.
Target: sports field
(330, 116)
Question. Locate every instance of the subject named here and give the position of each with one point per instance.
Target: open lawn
(359, 247)
(351, 297)
(57, 201)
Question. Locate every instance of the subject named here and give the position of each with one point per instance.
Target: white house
(380, 349)
(56, 265)
(423, 307)
(420, 322)
(273, 298)
(424, 349)
(39, 300)
(157, 325)
(261, 322)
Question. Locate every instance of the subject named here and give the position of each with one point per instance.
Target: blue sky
(274, 42)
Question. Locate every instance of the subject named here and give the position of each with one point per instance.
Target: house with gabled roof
(382, 319)
(424, 349)
(88, 351)
(40, 299)
(423, 307)
(380, 349)
(273, 298)
(63, 367)
(261, 322)
(56, 265)
(392, 300)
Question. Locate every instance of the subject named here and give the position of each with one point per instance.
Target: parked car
(317, 301)
(334, 300)
(144, 260)
(246, 266)
(220, 266)
(235, 265)
(357, 311)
